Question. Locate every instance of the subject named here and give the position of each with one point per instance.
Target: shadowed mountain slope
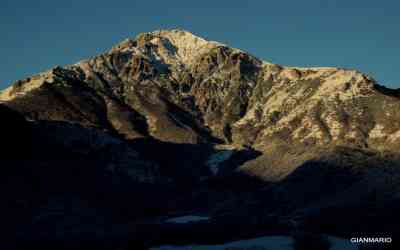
(170, 123)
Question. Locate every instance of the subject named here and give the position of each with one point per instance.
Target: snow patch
(269, 242)
(262, 243)
(377, 132)
(187, 47)
(216, 159)
(187, 219)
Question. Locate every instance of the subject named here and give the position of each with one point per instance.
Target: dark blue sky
(364, 35)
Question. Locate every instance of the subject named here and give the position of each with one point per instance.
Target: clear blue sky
(359, 34)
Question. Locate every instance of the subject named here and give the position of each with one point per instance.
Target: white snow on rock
(377, 132)
(223, 154)
(188, 46)
(187, 219)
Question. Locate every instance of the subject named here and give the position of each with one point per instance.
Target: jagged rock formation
(170, 107)
(177, 87)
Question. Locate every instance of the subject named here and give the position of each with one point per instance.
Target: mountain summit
(170, 108)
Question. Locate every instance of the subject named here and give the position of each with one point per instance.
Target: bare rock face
(176, 87)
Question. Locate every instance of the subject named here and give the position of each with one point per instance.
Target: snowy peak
(185, 45)
(177, 47)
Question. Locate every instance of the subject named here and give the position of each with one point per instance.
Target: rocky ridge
(177, 87)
